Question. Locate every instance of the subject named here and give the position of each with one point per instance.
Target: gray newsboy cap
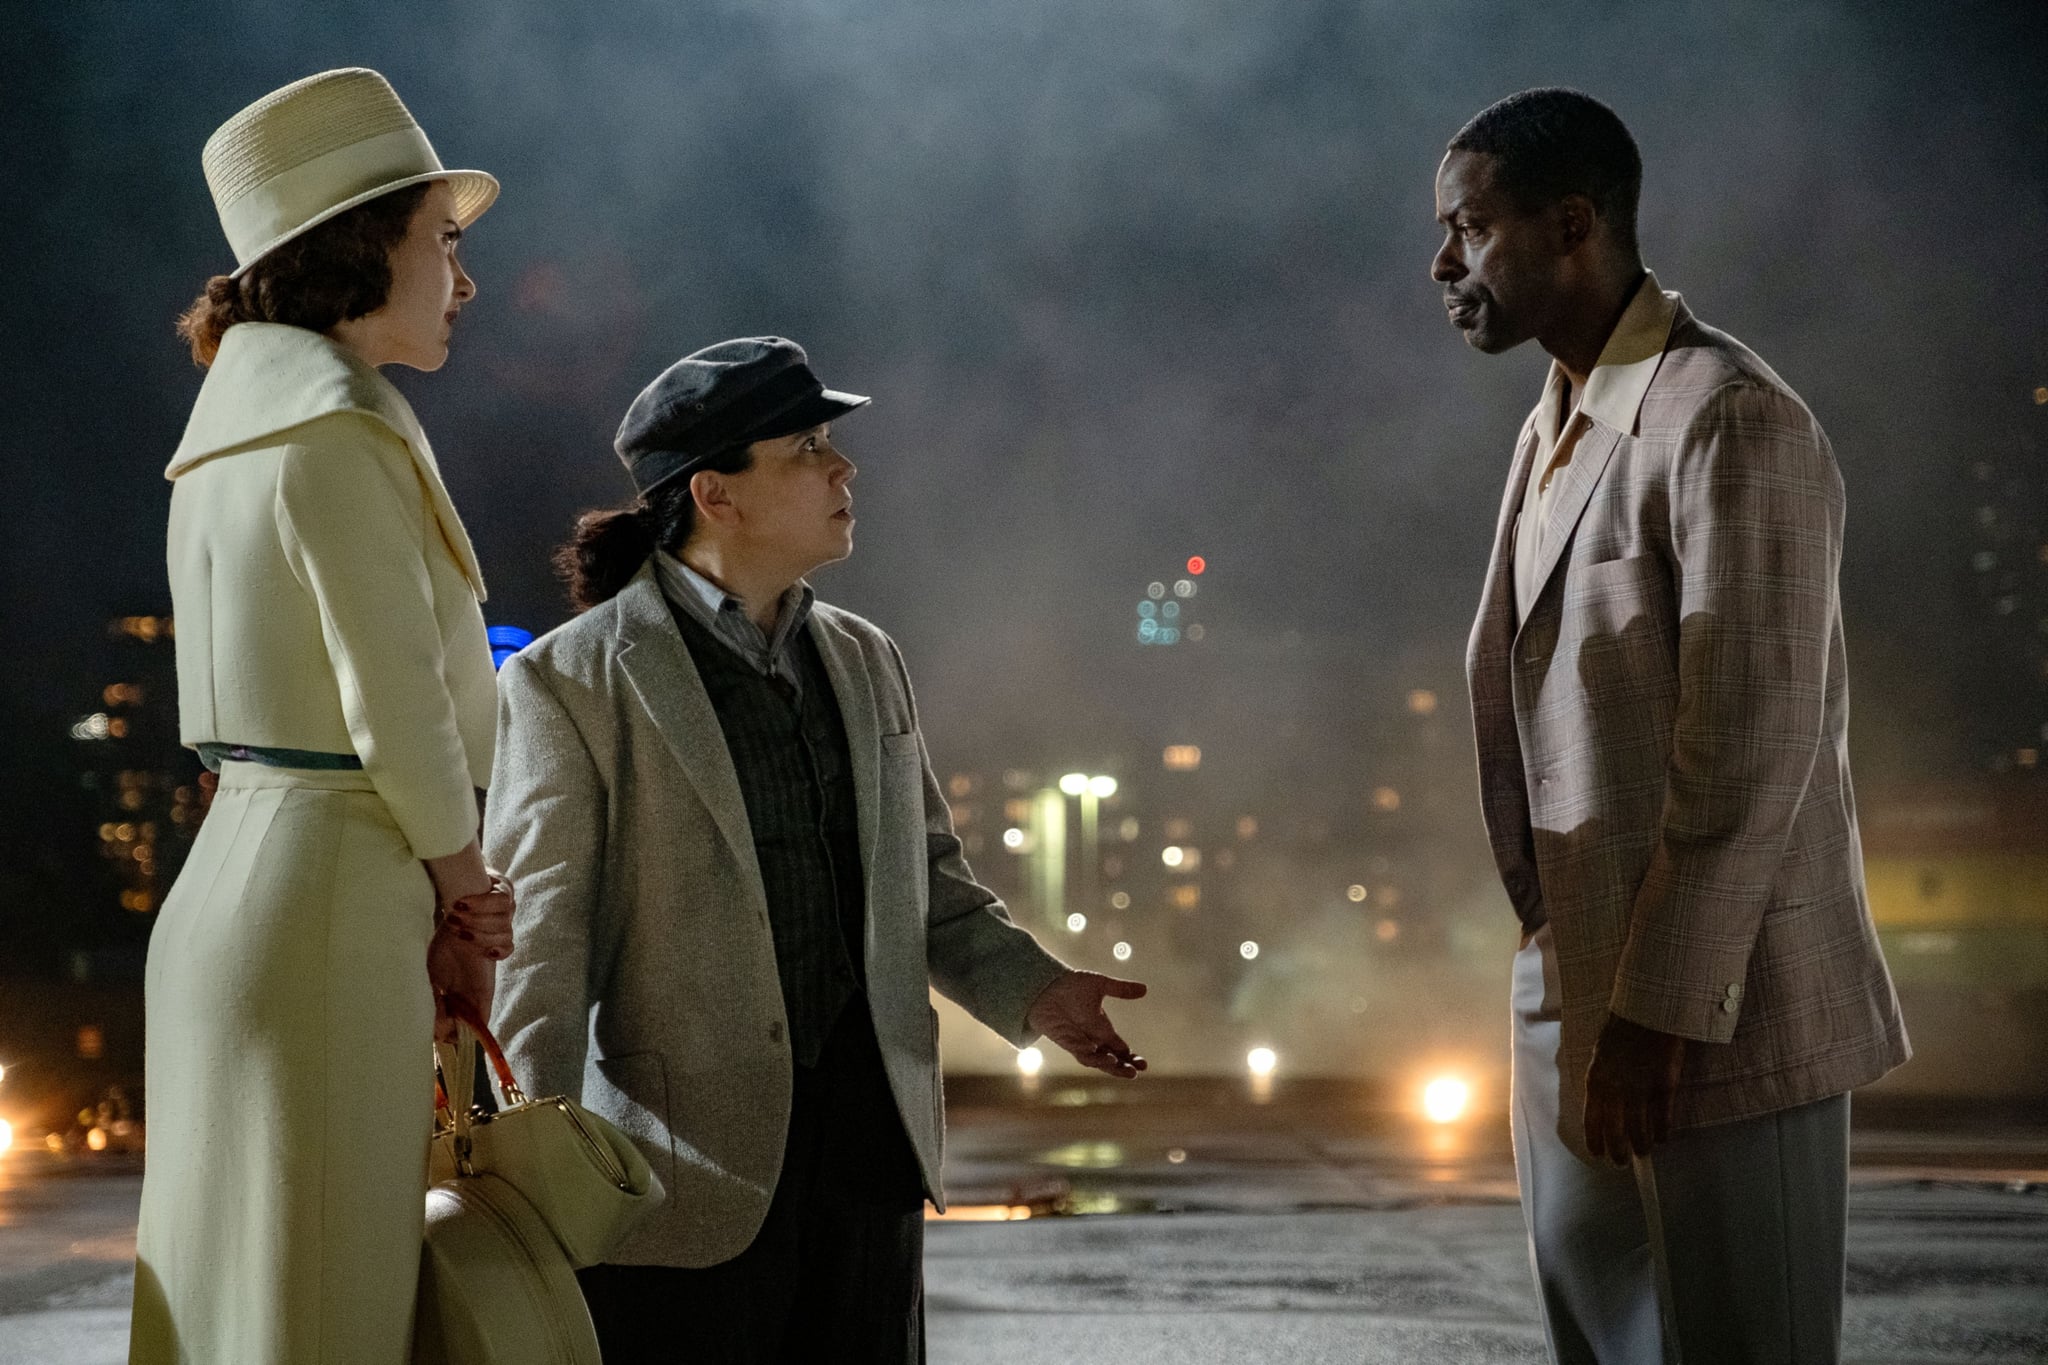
(722, 397)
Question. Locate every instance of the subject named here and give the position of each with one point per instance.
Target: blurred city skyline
(1129, 283)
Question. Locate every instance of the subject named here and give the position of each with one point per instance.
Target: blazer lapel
(1581, 477)
(855, 690)
(1494, 629)
(663, 674)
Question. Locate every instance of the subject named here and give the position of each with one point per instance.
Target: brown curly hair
(328, 274)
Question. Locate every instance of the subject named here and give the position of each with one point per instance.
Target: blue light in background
(505, 642)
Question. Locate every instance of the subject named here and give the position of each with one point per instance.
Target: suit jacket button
(1728, 1005)
(775, 1033)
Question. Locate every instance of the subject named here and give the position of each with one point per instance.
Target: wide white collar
(269, 378)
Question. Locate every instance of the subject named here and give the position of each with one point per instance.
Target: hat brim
(805, 413)
(475, 191)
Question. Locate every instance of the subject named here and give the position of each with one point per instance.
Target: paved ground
(1307, 1230)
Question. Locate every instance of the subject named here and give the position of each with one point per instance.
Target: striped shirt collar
(719, 612)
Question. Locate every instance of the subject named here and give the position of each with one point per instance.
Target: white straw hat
(318, 147)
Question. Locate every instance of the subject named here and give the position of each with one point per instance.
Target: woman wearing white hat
(332, 668)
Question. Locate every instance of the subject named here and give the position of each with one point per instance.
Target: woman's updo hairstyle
(332, 273)
(608, 546)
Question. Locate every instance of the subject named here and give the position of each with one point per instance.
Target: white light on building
(1076, 922)
(1248, 950)
(1030, 1061)
(1122, 952)
(1260, 1061)
(1013, 838)
(1173, 855)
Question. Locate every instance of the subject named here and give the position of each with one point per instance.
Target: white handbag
(520, 1199)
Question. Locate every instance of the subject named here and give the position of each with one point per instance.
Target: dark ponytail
(608, 545)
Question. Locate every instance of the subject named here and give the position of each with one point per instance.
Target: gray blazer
(644, 979)
(1663, 752)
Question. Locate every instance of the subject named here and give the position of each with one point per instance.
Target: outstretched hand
(1069, 1012)
(1631, 1089)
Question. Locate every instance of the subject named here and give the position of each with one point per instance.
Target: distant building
(2006, 665)
(149, 793)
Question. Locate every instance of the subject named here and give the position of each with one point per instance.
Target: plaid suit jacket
(1662, 743)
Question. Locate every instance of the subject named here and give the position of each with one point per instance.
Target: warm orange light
(1446, 1099)
(979, 1213)
(96, 1139)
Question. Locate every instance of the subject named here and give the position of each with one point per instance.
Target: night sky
(1129, 280)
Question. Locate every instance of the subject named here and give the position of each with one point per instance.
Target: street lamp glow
(1445, 1099)
(1248, 950)
(1122, 952)
(1173, 855)
(1030, 1061)
(1073, 784)
(1102, 788)
(1013, 838)
(1076, 922)
(1261, 1061)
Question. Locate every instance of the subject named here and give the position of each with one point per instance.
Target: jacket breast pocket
(632, 1091)
(1622, 601)
(1620, 615)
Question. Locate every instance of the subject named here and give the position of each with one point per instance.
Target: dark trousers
(837, 1270)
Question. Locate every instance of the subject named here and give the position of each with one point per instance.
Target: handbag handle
(464, 1011)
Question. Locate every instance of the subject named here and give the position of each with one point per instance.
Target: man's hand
(1631, 1089)
(1069, 1012)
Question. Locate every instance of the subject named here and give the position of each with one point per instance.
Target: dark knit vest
(796, 777)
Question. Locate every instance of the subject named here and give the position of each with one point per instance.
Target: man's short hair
(1551, 142)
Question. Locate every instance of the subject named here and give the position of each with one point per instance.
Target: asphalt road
(1186, 1226)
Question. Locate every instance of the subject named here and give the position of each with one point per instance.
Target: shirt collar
(725, 615)
(1628, 362)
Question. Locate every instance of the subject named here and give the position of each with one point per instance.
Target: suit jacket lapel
(855, 691)
(1581, 477)
(1494, 630)
(659, 666)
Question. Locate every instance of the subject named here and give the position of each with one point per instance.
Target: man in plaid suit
(1660, 698)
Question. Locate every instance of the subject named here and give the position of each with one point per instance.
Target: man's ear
(713, 497)
(1574, 220)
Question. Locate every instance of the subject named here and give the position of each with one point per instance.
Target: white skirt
(289, 1080)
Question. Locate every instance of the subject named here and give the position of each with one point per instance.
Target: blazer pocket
(1620, 601)
(632, 1091)
(1611, 575)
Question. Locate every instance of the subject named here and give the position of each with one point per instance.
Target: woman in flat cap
(739, 884)
(332, 668)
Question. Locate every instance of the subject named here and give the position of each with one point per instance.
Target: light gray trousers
(1725, 1246)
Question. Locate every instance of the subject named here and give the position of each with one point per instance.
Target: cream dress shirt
(1613, 394)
